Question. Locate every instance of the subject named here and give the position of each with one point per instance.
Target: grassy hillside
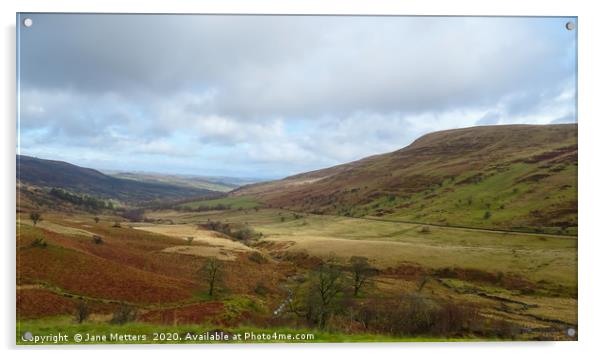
(57, 174)
(518, 177)
(60, 264)
(238, 202)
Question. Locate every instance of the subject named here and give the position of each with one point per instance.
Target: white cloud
(280, 94)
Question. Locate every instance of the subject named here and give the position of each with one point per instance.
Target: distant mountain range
(58, 174)
(504, 176)
(222, 184)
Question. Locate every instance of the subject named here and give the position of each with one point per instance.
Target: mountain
(187, 181)
(57, 174)
(505, 176)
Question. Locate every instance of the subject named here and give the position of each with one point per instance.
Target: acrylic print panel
(207, 178)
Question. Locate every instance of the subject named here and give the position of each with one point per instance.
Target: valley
(467, 234)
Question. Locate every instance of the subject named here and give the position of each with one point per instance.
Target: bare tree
(212, 274)
(361, 273)
(82, 311)
(326, 285)
(35, 217)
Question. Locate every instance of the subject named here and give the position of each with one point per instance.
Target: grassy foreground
(63, 331)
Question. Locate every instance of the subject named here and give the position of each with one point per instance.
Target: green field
(241, 202)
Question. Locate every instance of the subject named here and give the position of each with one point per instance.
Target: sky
(272, 96)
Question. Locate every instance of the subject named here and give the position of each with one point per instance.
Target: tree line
(87, 201)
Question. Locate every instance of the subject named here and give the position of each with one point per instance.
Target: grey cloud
(228, 89)
(295, 65)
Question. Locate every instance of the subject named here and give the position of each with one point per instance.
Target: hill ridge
(60, 174)
(441, 176)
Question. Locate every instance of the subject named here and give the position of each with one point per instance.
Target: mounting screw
(571, 332)
(570, 25)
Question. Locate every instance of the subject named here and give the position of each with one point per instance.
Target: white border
(590, 200)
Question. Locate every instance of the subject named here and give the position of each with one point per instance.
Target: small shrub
(257, 257)
(124, 314)
(39, 242)
(189, 240)
(487, 215)
(425, 230)
(97, 239)
(117, 224)
(218, 226)
(134, 215)
(35, 217)
(261, 290)
(96, 219)
(244, 234)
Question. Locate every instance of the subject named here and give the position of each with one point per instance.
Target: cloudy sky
(267, 97)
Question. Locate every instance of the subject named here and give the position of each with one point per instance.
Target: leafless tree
(361, 273)
(323, 293)
(212, 274)
(82, 311)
